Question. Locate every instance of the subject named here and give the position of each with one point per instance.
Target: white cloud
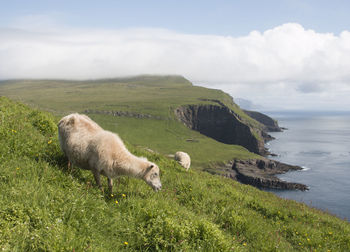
(286, 61)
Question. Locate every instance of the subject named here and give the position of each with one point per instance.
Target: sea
(319, 142)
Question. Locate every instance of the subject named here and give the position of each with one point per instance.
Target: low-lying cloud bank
(286, 60)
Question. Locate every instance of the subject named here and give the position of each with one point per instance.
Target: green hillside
(45, 207)
(154, 96)
(148, 94)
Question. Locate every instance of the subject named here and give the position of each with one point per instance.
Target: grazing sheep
(183, 158)
(89, 147)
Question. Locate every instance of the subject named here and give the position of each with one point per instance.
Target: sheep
(183, 159)
(90, 147)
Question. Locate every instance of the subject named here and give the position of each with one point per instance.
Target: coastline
(261, 172)
(320, 142)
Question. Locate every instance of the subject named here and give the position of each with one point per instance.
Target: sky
(286, 54)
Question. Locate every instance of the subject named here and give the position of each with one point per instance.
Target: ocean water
(320, 143)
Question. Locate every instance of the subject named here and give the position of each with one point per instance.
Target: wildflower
(330, 233)
(308, 239)
(126, 243)
(244, 244)
(116, 202)
(123, 195)
(17, 168)
(112, 195)
(299, 244)
(49, 142)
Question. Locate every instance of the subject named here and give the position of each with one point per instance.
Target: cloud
(310, 87)
(285, 59)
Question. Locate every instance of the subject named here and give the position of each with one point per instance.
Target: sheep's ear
(149, 168)
(71, 121)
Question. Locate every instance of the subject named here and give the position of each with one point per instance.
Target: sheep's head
(152, 176)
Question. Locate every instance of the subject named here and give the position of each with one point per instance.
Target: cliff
(221, 124)
(269, 123)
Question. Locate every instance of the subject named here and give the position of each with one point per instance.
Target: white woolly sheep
(183, 159)
(89, 147)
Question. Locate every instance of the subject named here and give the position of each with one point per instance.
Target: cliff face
(220, 123)
(270, 124)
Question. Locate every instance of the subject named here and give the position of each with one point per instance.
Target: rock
(260, 164)
(221, 124)
(121, 113)
(266, 137)
(260, 173)
(269, 123)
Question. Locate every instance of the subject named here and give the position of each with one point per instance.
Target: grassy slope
(45, 207)
(153, 95)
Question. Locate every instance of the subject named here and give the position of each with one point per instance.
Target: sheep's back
(183, 158)
(75, 135)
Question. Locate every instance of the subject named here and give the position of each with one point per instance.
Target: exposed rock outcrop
(220, 123)
(270, 124)
(257, 172)
(261, 173)
(121, 113)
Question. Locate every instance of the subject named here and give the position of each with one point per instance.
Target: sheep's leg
(110, 185)
(118, 184)
(69, 166)
(97, 178)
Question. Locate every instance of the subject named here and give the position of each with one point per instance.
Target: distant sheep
(183, 159)
(89, 147)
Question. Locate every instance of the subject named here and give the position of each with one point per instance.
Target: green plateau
(155, 96)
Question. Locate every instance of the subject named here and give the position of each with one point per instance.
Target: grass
(45, 207)
(144, 94)
(151, 95)
(167, 136)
